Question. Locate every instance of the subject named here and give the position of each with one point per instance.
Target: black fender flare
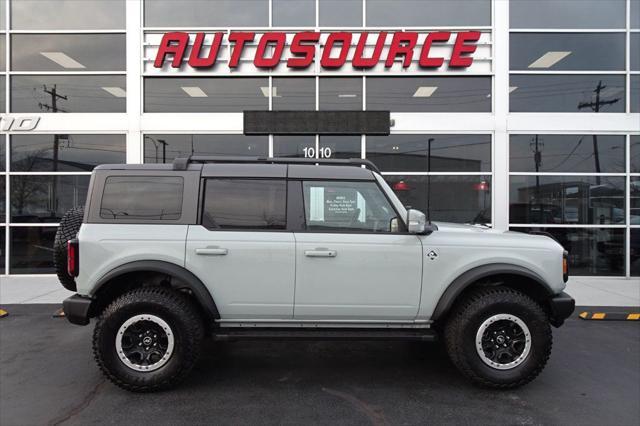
(471, 276)
(190, 281)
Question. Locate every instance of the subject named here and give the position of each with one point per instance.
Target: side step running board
(346, 334)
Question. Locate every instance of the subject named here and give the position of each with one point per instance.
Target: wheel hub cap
(503, 341)
(145, 342)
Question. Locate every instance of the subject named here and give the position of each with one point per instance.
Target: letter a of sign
(172, 43)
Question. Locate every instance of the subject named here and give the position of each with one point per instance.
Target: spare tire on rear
(68, 229)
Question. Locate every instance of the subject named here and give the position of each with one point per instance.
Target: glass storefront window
(449, 153)
(567, 52)
(635, 51)
(460, 199)
(3, 14)
(2, 53)
(567, 14)
(634, 248)
(68, 52)
(635, 154)
(566, 93)
(567, 153)
(340, 13)
(294, 146)
(31, 249)
(429, 94)
(296, 13)
(567, 200)
(635, 93)
(2, 199)
(635, 14)
(2, 247)
(3, 107)
(45, 198)
(634, 207)
(340, 94)
(2, 158)
(592, 251)
(82, 93)
(165, 148)
(419, 13)
(292, 94)
(340, 146)
(201, 94)
(210, 13)
(68, 15)
(75, 153)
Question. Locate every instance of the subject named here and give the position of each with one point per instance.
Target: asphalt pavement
(48, 377)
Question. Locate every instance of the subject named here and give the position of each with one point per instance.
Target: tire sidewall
(540, 342)
(106, 344)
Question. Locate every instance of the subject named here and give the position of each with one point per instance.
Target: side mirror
(417, 223)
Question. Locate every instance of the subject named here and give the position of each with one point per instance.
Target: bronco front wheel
(498, 337)
(148, 339)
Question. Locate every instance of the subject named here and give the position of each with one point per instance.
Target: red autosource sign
(402, 46)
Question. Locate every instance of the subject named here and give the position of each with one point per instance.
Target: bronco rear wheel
(498, 337)
(148, 339)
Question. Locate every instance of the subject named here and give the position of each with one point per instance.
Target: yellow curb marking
(633, 317)
(598, 315)
(3, 313)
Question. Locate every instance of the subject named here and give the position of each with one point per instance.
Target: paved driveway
(47, 376)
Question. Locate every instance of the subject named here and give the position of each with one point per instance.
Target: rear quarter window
(142, 198)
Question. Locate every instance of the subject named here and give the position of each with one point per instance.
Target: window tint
(210, 13)
(347, 206)
(245, 204)
(164, 148)
(142, 198)
(298, 13)
(340, 13)
(401, 13)
(340, 94)
(67, 15)
(567, 13)
(293, 93)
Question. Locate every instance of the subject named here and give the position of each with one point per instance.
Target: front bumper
(77, 308)
(561, 307)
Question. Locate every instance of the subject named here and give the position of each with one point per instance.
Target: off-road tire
(465, 321)
(177, 310)
(68, 230)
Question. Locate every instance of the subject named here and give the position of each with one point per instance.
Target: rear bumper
(77, 308)
(561, 307)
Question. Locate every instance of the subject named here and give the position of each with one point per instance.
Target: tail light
(73, 259)
(565, 266)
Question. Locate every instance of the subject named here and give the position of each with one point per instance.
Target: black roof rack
(183, 162)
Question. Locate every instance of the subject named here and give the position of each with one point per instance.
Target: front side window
(347, 206)
(142, 198)
(239, 204)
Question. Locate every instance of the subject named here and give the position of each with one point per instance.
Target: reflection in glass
(634, 248)
(635, 153)
(165, 148)
(449, 153)
(635, 93)
(294, 146)
(576, 51)
(210, 13)
(567, 14)
(3, 14)
(592, 251)
(31, 249)
(340, 13)
(298, 13)
(2, 199)
(567, 153)
(65, 152)
(68, 15)
(293, 94)
(2, 158)
(217, 94)
(45, 198)
(460, 199)
(2, 53)
(635, 14)
(429, 94)
(68, 52)
(340, 146)
(567, 93)
(598, 200)
(634, 203)
(2, 94)
(3, 229)
(68, 93)
(340, 94)
(635, 51)
(420, 13)
(142, 198)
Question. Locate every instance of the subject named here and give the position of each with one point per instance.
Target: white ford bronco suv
(253, 248)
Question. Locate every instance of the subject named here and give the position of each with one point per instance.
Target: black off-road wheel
(498, 337)
(148, 339)
(68, 230)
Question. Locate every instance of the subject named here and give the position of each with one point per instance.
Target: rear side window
(245, 204)
(142, 198)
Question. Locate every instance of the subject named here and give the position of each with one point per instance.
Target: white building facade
(541, 132)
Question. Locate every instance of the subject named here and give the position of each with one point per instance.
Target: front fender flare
(190, 281)
(471, 276)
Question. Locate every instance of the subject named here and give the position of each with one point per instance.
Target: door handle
(212, 251)
(320, 253)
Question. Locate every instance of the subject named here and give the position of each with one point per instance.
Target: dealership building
(530, 109)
